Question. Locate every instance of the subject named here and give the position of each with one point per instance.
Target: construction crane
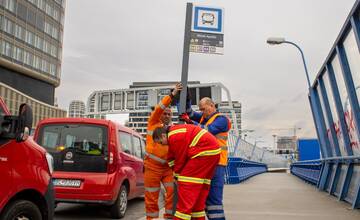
(294, 129)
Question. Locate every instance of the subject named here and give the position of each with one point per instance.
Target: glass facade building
(31, 36)
(31, 39)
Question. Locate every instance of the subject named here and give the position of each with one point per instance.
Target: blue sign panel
(207, 19)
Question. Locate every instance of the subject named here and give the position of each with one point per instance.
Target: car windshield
(81, 138)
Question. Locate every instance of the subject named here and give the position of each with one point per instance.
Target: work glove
(185, 117)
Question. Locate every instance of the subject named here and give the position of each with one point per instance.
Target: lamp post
(279, 40)
(246, 131)
(312, 97)
(274, 148)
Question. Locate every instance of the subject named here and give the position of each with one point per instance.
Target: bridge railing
(239, 169)
(240, 148)
(307, 170)
(339, 176)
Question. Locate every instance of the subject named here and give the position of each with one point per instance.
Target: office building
(31, 36)
(76, 109)
(229, 110)
(138, 99)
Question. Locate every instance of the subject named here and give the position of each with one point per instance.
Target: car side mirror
(24, 124)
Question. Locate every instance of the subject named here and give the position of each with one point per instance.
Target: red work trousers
(193, 187)
(152, 180)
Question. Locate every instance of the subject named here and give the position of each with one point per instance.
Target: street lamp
(279, 40)
(245, 131)
(274, 147)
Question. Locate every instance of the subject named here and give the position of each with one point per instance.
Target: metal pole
(184, 78)
(303, 59)
(185, 62)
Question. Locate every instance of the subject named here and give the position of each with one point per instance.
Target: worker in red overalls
(194, 154)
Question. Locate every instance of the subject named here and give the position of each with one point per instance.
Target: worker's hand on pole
(185, 117)
(178, 87)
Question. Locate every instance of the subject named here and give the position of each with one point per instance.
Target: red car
(96, 161)
(26, 190)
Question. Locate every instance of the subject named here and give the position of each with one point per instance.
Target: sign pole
(185, 62)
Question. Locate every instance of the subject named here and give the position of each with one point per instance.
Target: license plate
(67, 183)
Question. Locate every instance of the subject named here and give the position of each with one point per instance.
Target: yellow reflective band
(171, 163)
(187, 179)
(176, 174)
(207, 153)
(180, 130)
(182, 215)
(198, 214)
(197, 137)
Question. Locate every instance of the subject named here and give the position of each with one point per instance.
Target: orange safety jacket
(187, 142)
(156, 154)
(221, 138)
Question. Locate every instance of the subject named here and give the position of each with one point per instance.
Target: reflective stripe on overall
(220, 137)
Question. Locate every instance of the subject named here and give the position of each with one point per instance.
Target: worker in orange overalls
(194, 154)
(157, 170)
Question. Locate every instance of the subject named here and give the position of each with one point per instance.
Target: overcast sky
(108, 44)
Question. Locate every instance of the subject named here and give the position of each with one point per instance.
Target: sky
(108, 44)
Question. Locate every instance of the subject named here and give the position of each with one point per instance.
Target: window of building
(31, 17)
(29, 37)
(19, 32)
(46, 46)
(6, 48)
(53, 51)
(40, 21)
(21, 12)
(18, 54)
(10, 5)
(40, 4)
(37, 63)
(38, 42)
(52, 69)
(28, 57)
(8, 26)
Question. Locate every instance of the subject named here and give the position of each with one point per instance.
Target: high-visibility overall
(219, 125)
(193, 154)
(157, 170)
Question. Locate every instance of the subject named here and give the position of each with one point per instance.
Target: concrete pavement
(282, 196)
(269, 196)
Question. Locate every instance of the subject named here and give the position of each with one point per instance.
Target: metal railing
(307, 170)
(339, 176)
(239, 169)
(243, 149)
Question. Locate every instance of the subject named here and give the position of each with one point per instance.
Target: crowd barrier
(239, 169)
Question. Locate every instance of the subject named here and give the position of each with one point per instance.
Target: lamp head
(275, 40)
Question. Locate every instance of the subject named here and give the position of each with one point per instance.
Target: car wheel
(21, 210)
(118, 210)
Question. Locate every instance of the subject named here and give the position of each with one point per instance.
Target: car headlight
(50, 162)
